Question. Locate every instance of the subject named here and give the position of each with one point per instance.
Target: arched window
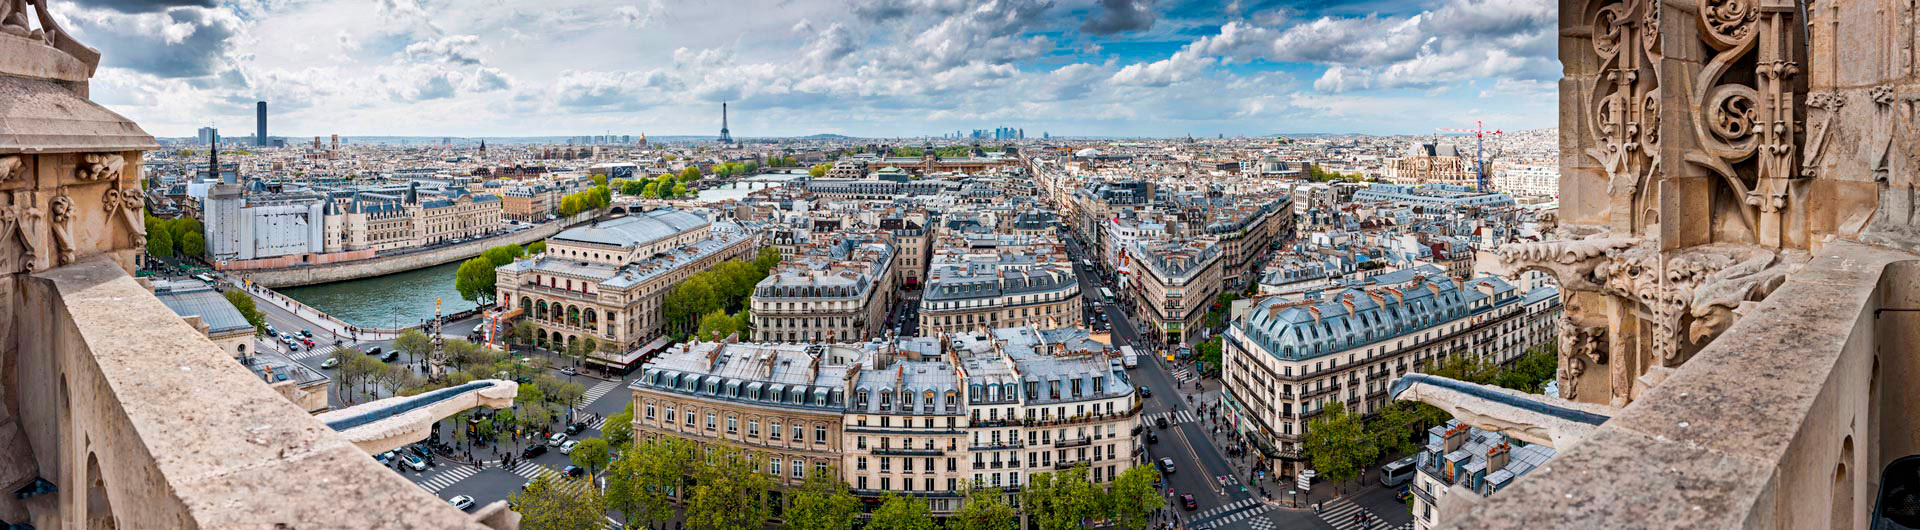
(540, 310)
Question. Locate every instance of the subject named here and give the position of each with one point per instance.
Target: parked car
(1152, 438)
(1166, 466)
(463, 502)
(420, 449)
(575, 472)
(384, 458)
(533, 451)
(557, 439)
(567, 448)
(414, 462)
(1186, 501)
(331, 362)
(569, 371)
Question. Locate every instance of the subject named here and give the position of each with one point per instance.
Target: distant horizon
(739, 138)
(875, 68)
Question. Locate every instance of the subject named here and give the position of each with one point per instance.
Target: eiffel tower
(725, 137)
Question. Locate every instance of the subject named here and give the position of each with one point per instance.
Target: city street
(1227, 496)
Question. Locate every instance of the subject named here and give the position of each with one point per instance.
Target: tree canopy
(243, 303)
(822, 502)
(1338, 443)
(475, 279)
(554, 503)
(901, 513)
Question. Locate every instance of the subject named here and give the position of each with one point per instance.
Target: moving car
(1166, 466)
(1152, 438)
(569, 371)
(390, 356)
(575, 428)
(463, 502)
(557, 439)
(1186, 501)
(533, 451)
(575, 471)
(1160, 422)
(331, 362)
(306, 333)
(1145, 392)
(414, 462)
(567, 448)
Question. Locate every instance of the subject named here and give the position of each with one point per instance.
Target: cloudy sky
(876, 68)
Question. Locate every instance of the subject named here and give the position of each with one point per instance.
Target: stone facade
(1737, 205)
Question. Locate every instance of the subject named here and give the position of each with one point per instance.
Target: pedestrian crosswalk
(1176, 417)
(532, 471)
(595, 392)
(446, 476)
(1341, 513)
(1184, 374)
(315, 353)
(1219, 515)
(597, 423)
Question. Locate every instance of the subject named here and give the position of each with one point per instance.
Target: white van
(1398, 472)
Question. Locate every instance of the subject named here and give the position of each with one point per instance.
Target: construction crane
(1480, 159)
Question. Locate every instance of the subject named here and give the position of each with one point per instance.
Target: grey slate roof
(193, 298)
(635, 229)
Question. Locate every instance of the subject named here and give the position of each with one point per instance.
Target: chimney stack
(1455, 437)
(1498, 456)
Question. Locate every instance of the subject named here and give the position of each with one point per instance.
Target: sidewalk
(319, 322)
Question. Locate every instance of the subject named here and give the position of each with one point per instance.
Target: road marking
(598, 390)
(1339, 513)
(1182, 436)
(447, 477)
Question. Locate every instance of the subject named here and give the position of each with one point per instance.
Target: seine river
(386, 301)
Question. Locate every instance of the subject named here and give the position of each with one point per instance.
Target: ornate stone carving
(13, 21)
(63, 242)
(1817, 138)
(16, 232)
(12, 166)
(98, 166)
(1579, 345)
(129, 205)
(1882, 147)
(1570, 262)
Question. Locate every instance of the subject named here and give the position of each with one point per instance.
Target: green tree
(1132, 497)
(160, 244)
(537, 248)
(552, 503)
(193, 245)
(690, 174)
(1338, 444)
(504, 254)
(901, 513)
(618, 430)
(715, 326)
(243, 303)
(625, 488)
(1467, 367)
(599, 180)
(591, 454)
(1392, 429)
(475, 279)
(570, 205)
(680, 190)
(650, 191)
(983, 510)
(659, 469)
(523, 331)
(413, 343)
(1061, 500)
(727, 493)
(1531, 372)
(822, 502)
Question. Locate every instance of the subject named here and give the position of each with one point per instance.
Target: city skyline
(1071, 67)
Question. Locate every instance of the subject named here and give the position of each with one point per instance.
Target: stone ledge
(232, 452)
(1706, 449)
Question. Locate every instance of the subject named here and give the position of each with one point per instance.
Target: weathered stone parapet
(140, 420)
(1773, 425)
(387, 424)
